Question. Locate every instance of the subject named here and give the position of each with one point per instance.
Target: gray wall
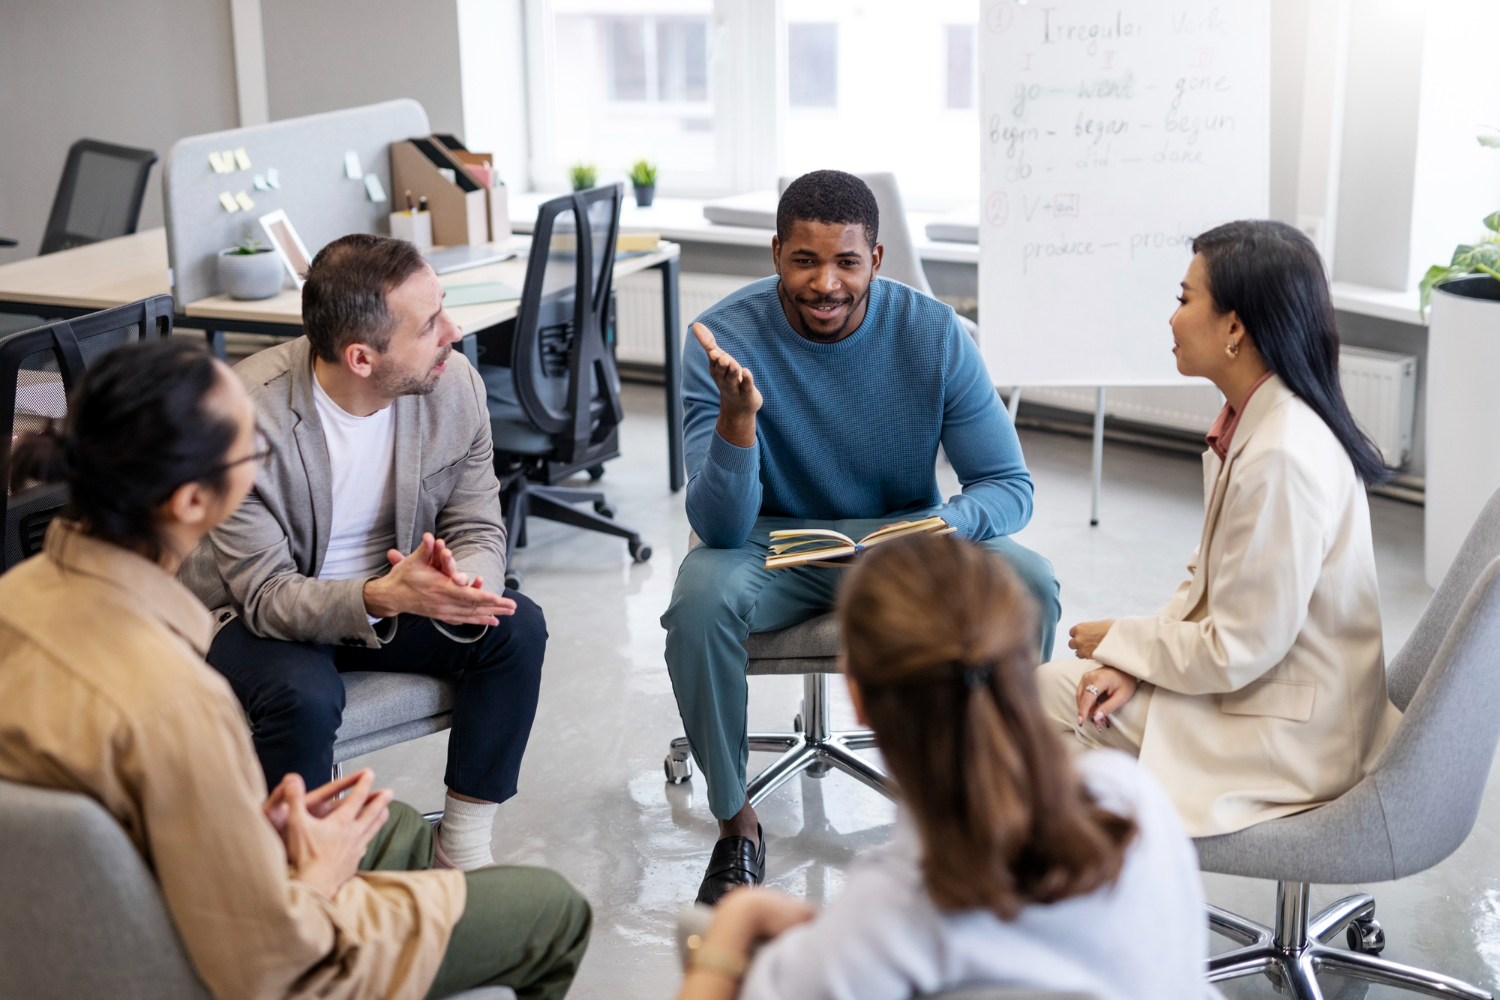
(136, 72)
(322, 55)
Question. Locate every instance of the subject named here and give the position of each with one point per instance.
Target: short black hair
(343, 301)
(829, 196)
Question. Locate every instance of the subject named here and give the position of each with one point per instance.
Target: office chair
(99, 196)
(1414, 808)
(555, 410)
(38, 368)
(811, 649)
(85, 919)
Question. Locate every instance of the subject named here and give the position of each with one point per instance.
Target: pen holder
(414, 227)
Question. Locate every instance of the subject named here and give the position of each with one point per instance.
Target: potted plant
(643, 179)
(1463, 434)
(250, 270)
(583, 176)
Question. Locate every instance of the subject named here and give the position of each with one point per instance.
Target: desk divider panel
(307, 154)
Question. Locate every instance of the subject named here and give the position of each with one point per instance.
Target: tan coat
(103, 690)
(1267, 663)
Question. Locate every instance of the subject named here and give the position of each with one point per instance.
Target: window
(628, 79)
(885, 85)
(960, 66)
(812, 60)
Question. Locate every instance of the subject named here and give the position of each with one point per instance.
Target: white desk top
(681, 220)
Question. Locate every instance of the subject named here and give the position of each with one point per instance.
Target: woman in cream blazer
(1259, 689)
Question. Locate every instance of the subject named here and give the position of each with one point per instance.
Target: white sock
(466, 831)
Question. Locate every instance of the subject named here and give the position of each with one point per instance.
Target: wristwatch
(719, 961)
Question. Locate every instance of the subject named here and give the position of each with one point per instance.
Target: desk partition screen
(306, 159)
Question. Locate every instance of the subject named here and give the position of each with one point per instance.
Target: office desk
(129, 268)
(88, 278)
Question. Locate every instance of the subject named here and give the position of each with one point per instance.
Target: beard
(393, 381)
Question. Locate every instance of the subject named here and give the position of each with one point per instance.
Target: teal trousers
(525, 928)
(722, 595)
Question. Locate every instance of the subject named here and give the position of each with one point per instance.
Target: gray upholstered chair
(381, 710)
(1414, 808)
(83, 919)
(809, 649)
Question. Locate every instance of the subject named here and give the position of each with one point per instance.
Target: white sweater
(1146, 936)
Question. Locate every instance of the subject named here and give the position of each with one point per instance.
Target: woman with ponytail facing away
(1258, 690)
(1009, 864)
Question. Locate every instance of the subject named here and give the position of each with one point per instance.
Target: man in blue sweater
(819, 400)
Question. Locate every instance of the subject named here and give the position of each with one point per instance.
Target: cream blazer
(1267, 663)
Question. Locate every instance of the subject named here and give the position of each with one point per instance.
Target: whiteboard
(1113, 133)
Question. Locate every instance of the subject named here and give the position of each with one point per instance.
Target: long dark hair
(140, 424)
(1271, 275)
(941, 638)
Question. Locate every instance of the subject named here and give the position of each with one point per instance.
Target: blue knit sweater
(851, 429)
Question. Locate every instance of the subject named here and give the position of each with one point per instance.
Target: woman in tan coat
(104, 691)
(1259, 689)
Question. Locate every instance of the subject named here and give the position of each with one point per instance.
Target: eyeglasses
(261, 454)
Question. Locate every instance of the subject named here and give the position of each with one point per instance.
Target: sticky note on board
(374, 188)
(242, 158)
(227, 200)
(352, 169)
(244, 201)
(260, 183)
(227, 157)
(216, 162)
(273, 178)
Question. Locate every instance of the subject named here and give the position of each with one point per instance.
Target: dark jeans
(294, 696)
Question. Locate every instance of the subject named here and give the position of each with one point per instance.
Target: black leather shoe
(735, 862)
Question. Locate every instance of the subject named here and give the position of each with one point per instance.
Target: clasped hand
(325, 837)
(428, 582)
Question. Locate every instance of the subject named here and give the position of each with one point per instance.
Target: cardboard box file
(460, 207)
(485, 175)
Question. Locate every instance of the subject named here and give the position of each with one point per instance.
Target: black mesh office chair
(99, 196)
(555, 411)
(38, 368)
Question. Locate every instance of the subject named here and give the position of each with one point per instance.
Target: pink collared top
(1222, 432)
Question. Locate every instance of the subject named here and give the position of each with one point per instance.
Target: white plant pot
(250, 275)
(1463, 423)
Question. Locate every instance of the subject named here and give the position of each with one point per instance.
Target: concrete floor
(594, 805)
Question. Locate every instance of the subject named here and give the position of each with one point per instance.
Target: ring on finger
(1091, 689)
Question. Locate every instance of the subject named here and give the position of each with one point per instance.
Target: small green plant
(1469, 258)
(583, 175)
(248, 245)
(643, 173)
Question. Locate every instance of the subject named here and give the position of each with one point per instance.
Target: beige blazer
(264, 559)
(1267, 663)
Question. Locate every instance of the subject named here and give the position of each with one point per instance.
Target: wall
(136, 72)
(331, 54)
(492, 55)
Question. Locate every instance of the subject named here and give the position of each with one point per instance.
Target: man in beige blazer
(1262, 682)
(373, 539)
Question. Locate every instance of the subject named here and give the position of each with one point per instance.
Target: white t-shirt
(362, 453)
(883, 939)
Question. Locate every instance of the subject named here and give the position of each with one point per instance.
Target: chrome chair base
(1292, 953)
(812, 747)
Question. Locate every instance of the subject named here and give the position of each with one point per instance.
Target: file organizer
(460, 207)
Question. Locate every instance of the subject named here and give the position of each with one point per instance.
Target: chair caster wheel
(640, 552)
(513, 579)
(1365, 936)
(818, 770)
(596, 472)
(678, 771)
(797, 723)
(605, 509)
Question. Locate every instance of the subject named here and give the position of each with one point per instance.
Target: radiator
(638, 309)
(1380, 387)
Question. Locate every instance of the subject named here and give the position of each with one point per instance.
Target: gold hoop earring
(1232, 349)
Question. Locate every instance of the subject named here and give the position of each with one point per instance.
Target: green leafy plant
(1469, 258)
(643, 173)
(247, 246)
(583, 175)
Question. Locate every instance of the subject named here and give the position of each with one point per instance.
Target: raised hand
(421, 584)
(739, 399)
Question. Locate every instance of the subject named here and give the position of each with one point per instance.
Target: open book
(823, 547)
